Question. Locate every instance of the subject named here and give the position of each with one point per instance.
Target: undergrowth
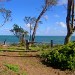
(62, 57)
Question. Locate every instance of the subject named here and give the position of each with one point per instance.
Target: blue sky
(53, 20)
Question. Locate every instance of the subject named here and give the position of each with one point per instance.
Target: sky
(54, 20)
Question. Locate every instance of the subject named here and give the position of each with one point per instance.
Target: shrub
(62, 57)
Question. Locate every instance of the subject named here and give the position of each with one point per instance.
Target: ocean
(45, 39)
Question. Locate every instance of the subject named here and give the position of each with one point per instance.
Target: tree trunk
(22, 41)
(69, 21)
(30, 33)
(36, 24)
(67, 38)
(48, 3)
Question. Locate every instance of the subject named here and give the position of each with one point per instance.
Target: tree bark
(67, 38)
(69, 21)
(48, 3)
(30, 33)
(36, 24)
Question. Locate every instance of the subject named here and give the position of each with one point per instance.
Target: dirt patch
(29, 63)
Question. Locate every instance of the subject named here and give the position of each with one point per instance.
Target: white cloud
(62, 2)
(54, 31)
(62, 24)
(50, 31)
(28, 26)
(46, 17)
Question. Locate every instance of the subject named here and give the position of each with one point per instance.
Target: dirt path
(28, 63)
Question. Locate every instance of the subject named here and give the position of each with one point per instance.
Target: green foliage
(13, 47)
(15, 68)
(33, 45)
(39, 47)
(12, 67)
(62, 57)
(18, 31)
(22, 43)
(43, 46)
(13, 44)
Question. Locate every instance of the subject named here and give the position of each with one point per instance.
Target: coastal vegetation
(29, 56)
(20, 33)
(69, 21)
(62, 57)
(14, 68)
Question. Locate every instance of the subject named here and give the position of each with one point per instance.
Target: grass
(39, 47)
(15, 68)
(34, 47)
(15, 48)
(12, 67)
(12, 48)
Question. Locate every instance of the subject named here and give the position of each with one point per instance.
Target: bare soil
(28, 63)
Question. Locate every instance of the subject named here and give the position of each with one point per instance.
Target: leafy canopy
(17, 30)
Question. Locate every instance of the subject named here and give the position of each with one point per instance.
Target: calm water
(45, 39)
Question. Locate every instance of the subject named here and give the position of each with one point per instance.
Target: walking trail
(28, 63)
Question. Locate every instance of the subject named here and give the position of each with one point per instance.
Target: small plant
(12, 67)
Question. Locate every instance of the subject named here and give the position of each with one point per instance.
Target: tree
(5, 13)
(69, 21)
(31, 22)
(19, 33)
(48, 3)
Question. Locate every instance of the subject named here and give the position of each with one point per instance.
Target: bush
(61, 57)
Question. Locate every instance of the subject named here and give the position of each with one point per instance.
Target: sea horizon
(10, 39)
